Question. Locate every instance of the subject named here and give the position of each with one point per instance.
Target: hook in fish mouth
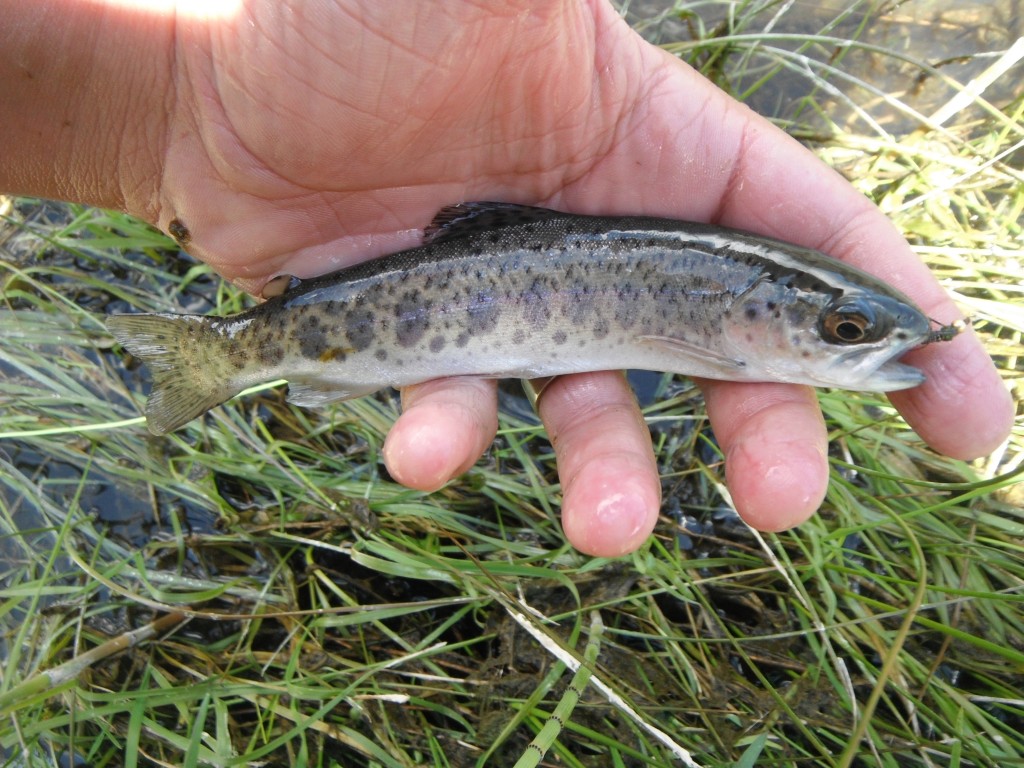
(946, 332)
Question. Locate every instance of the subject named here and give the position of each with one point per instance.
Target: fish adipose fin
(172, 347)
(313, 393)
(695, 358)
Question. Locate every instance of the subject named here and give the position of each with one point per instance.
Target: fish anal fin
(702, 357)
(313, 392)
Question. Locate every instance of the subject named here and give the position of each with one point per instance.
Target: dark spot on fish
(580, 305)
(518, 336)
(559, 337)
(359, 328)
(537, 313)
(268, 353)
(462, 339)
(413, 314)
(381, 354)
(310, 337)
(483, 313)
(626, 315)
(437, 343)
(601, 328)
(750, 313)
(179, 232)
(536, 300)
(313, 344)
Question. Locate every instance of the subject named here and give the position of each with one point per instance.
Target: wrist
(85, 88)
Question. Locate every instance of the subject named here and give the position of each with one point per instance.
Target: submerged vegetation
(254, 589)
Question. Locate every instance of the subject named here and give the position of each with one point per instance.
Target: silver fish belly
(503, 290)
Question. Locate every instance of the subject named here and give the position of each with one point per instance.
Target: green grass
(254, 590)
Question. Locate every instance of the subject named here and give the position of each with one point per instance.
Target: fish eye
(852, 321)
(849, 328)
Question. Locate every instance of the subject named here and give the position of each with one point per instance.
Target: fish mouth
(877, 371)
(891, 376)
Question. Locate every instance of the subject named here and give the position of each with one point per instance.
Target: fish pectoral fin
(701, 357)
(311, 393)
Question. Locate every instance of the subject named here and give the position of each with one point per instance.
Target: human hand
(301, 137)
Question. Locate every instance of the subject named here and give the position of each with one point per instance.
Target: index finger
(963, 409)
(752, 176)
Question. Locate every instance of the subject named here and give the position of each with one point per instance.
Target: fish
(504, 290)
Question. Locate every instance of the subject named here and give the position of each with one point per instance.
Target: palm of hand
(298, 145)
(318, 153)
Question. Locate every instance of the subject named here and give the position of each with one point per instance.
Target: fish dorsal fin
(464, 220)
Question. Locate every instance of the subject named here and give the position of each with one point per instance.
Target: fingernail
(419, 458)
(617, 524)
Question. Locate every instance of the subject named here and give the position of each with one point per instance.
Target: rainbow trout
(503, 290)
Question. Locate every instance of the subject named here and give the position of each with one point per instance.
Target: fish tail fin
(190, 373)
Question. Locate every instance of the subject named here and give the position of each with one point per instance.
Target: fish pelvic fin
(181, 352)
